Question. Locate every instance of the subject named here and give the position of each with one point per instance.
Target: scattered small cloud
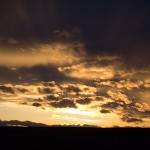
(52, 97)
(119, 96)
(84, 101)
(63, 104)
(6, 89)
(36, 104)
(130, 119)
(105, 111)
(127, 84)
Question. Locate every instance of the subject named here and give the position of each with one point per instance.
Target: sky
(75, 63)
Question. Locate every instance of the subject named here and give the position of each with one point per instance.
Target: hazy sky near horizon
(75, 62)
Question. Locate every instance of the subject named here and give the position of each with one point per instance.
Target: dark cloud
(21, 123)
(102, 91)
(9, 75)
(22, 90)
(51, 84)
(45, 90)
(6, 89)
(73, 88)
(41, 73)
(63, 104)
(107, 27)
(27, 17)
(100, 98)
(129, 119)
(104, 25)
(36, 104)
(84, 101)
(138, 110)
(110, 105)
(141, 109)
(51, 97)
(145, 114)
(117, 105)
(105, 111)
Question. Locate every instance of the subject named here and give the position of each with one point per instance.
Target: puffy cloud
(69, 61)
(147, 85)
(72, 88)
(119, 96)
(65, 103)
(22, 89)
(138, 110)
(142, 107)
(105, 111)
(78, 89)
(111, 105)
(18, 89)
(51, 84)
(128, 118)
(36, 104)
(49, 88)
(102, 99)
(104, 67)
(26, 89)
(147, 80)
(84, 101)
(45, 90)
(84, 71)
(128, 84)
(6, 89)
(52, 97)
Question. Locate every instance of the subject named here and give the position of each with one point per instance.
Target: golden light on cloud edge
(76, 104)
(95, 90)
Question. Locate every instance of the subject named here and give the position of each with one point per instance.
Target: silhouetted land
(73, 138)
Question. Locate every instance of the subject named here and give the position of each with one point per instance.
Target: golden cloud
(119, 96)
(55, 53)
(128, 84)
(84, 72)
(142, 107)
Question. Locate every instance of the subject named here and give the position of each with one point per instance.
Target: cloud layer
(63, 75)
(102, 98)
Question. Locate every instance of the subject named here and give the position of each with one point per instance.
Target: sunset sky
(70, 62)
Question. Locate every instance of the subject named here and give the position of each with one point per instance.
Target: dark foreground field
(43, 138)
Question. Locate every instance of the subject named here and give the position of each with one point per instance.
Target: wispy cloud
(53, 53)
